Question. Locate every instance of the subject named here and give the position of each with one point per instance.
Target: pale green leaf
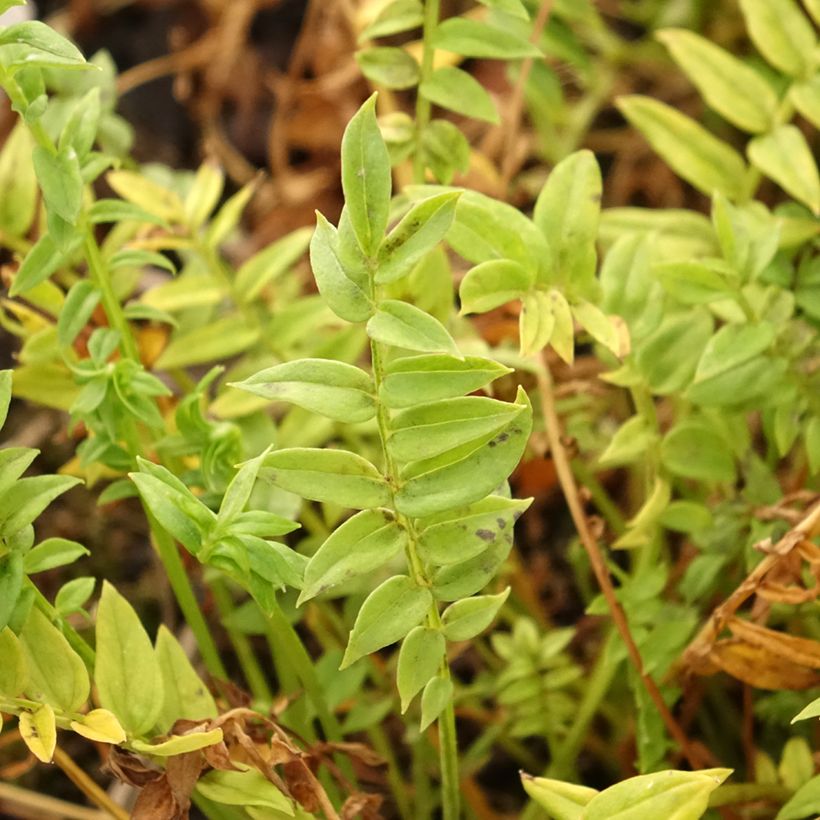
(690, 150)
(127, 672)
(420, 658)
(472, 38)
(403, 325)
(434, 700)
(456, 90)
(471, 616)
(494, 283)
(389, 66)
(781, 33)
(386, 616)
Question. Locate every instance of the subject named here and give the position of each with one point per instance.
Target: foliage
(340, 465)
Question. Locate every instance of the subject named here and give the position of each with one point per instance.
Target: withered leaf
(758, 667)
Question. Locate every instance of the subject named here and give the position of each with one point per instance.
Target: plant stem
(254, 676)
(87, 786)
(448, 741)
(598, 563)
(111, 305)
(423, 106)
(184, 593)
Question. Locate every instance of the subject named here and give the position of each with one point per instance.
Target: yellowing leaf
(99, 725)
(39, 732)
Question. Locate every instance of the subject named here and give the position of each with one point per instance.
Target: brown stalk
(87, 786)
(512, 120)
(598, 563)
(30, 804)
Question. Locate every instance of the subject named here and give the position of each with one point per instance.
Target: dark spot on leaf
(485, 535)
(501, 523)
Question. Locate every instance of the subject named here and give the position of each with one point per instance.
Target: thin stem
(598, 563)
(254, 676)
(448, 741)
(423, 106)
(87, 786)
(512, 121)
(111, 305)
(184, 593)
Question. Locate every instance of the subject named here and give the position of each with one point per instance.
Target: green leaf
(629, 444)
(184, 693)
(677, 233)
(53, 552)
(456, 90)
(11, 584)
(486, 229)
(813, 444)
(27, 498)
(243, 788)
(806, 99)
(13, 670)
(81, 301)
(600, 326)
(536, 322)
(732, 346)
(344, 294)
(362, 544)
(163, 203)
(494, 283)
(514, 8)
(80, 132)
(736, 91)
(228, 216)
(471, 616)
(337, 476)
(467, 473)
(5, 398)
(220, 339)
(437, 694)
(784, 156)
(428, 430)
(389, 66)
(803, 803)
(445, 150)
(472, 38)
(424, 226)
(44, 42)
(366, 177)
(60, 181)
(456, 581)
(386, 616)
(127, 671)
(451, 538)
(179, 744)
(419, 379)
(563, 801)
(18, 182)
(420, 657)
(139, 259)
(179, 512)
(669, 794)
(40, 262)
(567, 212)
(686, 516)
(56, 673)
(692, 449)
(668, 358)
(73, 595)
(401, 324)
(563, 332)
(690, 150)
(695, 282)
(781, 33)
(394, 18)
(334, 389)
(119, 210)
(270, 263)
(204, 193)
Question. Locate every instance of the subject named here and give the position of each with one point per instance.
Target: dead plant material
(757, 654)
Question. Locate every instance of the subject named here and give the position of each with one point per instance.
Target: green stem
(448, 742)
(184, 593)
(111, 305)
(255, 677)
(423, 106)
